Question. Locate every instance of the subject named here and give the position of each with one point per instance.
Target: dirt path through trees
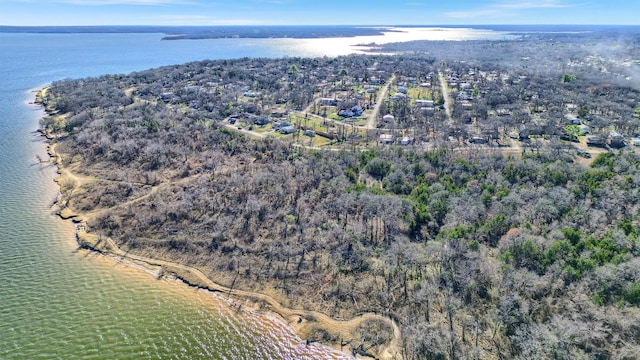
(194, 277)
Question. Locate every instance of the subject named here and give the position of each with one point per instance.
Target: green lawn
(419, 93)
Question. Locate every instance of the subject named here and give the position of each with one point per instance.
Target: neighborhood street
(376, 110)
(445, 95)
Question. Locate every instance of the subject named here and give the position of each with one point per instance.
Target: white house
(386, 139)
(406, 140)
(424, 103)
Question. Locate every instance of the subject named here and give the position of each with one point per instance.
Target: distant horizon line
(309, 25)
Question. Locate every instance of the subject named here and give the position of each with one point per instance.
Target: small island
(462, 200)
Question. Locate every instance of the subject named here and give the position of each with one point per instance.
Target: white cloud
(505, 9)
(541, 4)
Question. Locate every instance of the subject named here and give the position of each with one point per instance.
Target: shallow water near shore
(60, 303)
(57, 302)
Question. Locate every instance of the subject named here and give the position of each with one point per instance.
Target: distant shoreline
(210, 32)
(291, 31)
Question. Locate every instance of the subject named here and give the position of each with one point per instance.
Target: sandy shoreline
(302, 322)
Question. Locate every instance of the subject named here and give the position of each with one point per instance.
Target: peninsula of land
(445, 203)
(211, 32)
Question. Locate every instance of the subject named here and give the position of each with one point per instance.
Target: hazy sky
(301, 12)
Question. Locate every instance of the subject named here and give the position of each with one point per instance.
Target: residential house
(386, 139)
(281, 124)
(262, 120)
(407, 140)
(288, 129)
(594, 140)
(328, 102)
(584, 129)
(615, 139)
(355, 111)
(279, 113)
(424, 103)
(572, 119)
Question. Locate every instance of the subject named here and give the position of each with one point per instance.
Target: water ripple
(60, 303)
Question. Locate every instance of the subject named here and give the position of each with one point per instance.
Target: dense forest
(473, 252)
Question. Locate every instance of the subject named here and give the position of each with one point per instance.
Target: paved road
(376, 109)
(445, 94)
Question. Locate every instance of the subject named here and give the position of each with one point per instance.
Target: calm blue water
(59, 303)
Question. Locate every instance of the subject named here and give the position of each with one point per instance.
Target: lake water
(59, 303)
